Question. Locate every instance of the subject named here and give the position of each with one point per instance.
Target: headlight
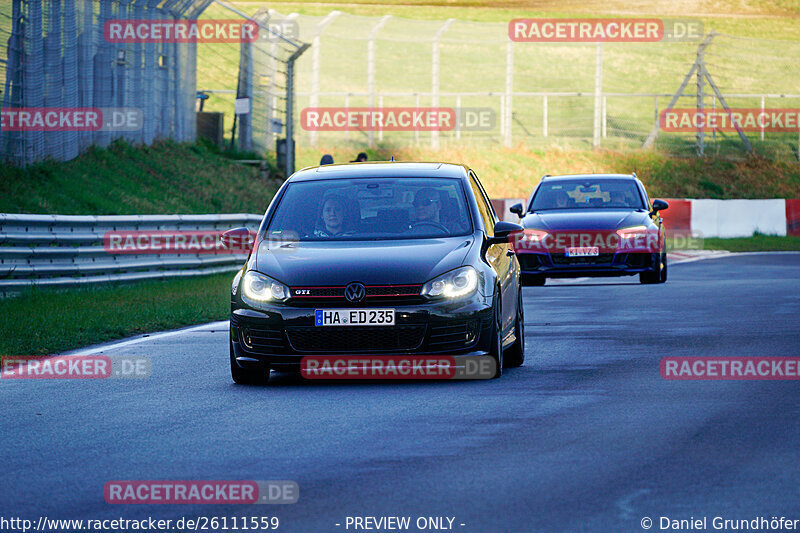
(454, 284)
(235, 286)
(633, 231)
(530, 239)
(258, 288)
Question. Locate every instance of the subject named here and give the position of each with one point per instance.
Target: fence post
(509, 91)
(544, 116)
(371, 68)
(598, 91)
(655, 113)
(272, 98)
(435, 75)
(380, 105)
(315, 66)
(289, 170)
(347, 108)
(701, 74)
(416, 131)
(761, 121)
(605, 116)
(458, 117)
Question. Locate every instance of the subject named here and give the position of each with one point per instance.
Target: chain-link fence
(539, 94)
(58, 57)
(257, 102)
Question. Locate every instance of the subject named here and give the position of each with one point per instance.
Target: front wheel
(533, 280)
(515, 355)
(496, 340)
(248, 376)
(659, 275)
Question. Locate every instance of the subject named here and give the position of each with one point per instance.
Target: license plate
(583, 251)
(354, 317)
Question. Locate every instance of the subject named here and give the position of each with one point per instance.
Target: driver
(617, 198)
(333, 218)
(427, 206)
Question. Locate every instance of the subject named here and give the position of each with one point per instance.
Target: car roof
(382, 169)
(590, 176)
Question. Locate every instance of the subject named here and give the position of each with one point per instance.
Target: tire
(496, 340)
(248, 376)
(533, 280)
(649, 278)
(663, 278)
(515, 354)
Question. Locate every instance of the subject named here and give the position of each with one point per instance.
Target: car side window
(484, 205)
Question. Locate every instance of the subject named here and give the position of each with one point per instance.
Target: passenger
(327, 159)
(360, 158)
(562, 199)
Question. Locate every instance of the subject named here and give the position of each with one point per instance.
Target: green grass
(166, 178)
(513, 173)
(46, 321)
(756, 53)
(756, 243)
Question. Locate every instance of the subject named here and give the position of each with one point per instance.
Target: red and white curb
(712, 218)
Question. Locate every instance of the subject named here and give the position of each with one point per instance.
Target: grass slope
(165, 178)
(513, 173)
(41, 321)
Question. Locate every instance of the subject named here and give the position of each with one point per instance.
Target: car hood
(586, 219)
(337, 263)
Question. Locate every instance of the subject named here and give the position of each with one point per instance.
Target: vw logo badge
(355, 292)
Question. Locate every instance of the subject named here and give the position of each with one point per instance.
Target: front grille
(333, 294)
(529, 261)
(393, 290)
(355, 339)
(635, 260)
(262, 340)
(562, 259)
(453, 336)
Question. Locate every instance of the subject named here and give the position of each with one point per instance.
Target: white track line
(222, 324)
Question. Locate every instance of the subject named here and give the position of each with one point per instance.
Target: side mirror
(658, 205)
(503, 230)
(240, 238)
(517, 209)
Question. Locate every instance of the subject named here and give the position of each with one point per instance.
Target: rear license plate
(354, 317)
(583, 251)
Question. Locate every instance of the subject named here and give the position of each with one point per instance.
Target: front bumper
(282, 335)
(604, 265)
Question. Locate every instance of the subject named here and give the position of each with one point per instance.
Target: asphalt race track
(585, 437)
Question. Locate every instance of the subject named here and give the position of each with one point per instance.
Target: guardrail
(67, 250)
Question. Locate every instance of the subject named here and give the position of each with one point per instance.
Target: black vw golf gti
(377, 259)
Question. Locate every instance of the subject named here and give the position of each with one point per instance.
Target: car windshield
(371, 209)
(588, 194)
